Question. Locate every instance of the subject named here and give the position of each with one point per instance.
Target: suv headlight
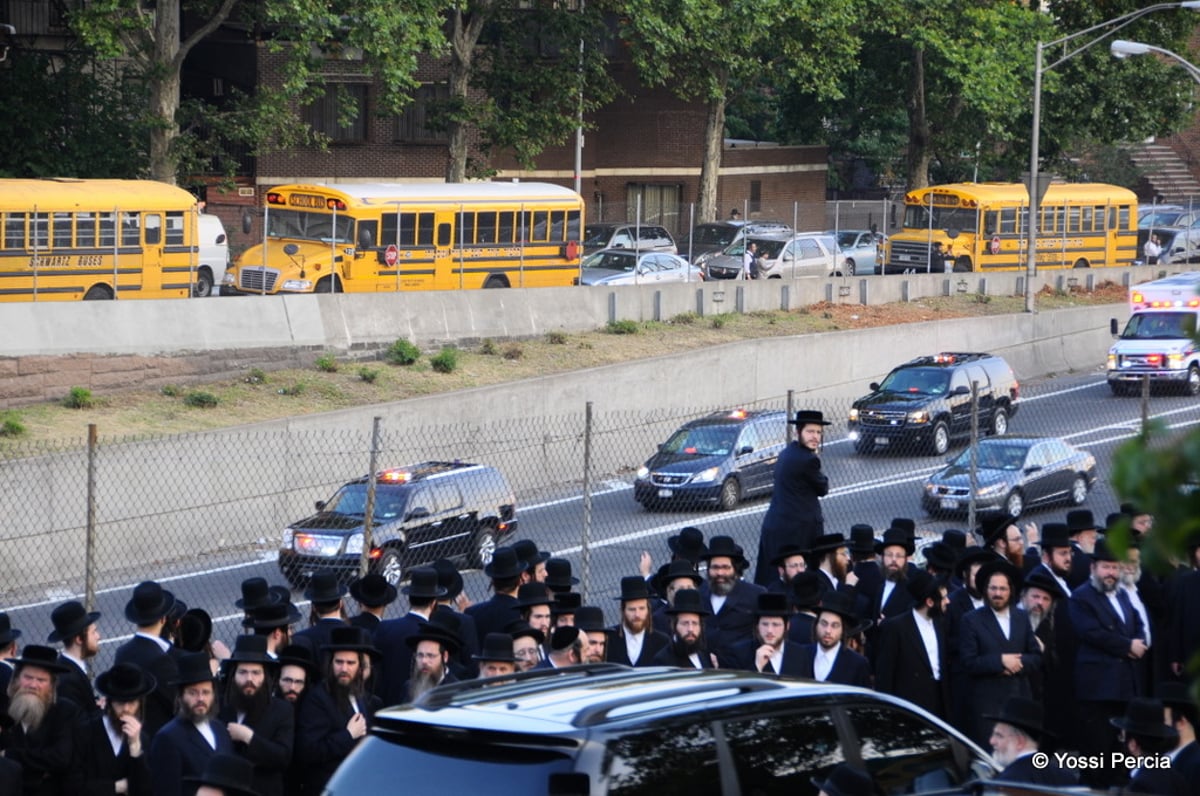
(853, 415)
(354, 544)
(643, 473)
(706, 475)
(918, 417)
(288, 540)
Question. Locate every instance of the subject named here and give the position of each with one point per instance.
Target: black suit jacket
(902, 665)
(45, 755)
(367, 622)
(270, 750)
(1023, 770)
(668, 657)
(96, 768)
(322, 740)
(178, 751)
(981, 646)
(794, 514)
(75, 686)
(1103, 669)
(317, 636)
(736, 620)
(395, 663)
(652, 644)
(742, 657)
(493, 615)
(1183, 635)
(800, 628)
(160, 704)
(849, 668)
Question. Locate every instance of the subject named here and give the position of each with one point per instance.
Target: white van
(213, 259)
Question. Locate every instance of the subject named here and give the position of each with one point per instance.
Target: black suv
(926, 403)
(422, 513)
(607, 729)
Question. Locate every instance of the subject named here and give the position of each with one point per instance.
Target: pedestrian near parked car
(1016, 736)
(634, 641)
(794, 515)
(749, 256)
(1152, 250)
(769, 651)
(828, 659)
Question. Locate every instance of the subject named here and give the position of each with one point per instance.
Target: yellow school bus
(70, 239)
(367, 238)
(985, 227)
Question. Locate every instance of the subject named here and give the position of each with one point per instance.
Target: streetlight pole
(1112, 26)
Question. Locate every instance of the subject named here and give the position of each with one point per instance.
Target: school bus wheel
(962, 263)
(496, 280)
(98, 293)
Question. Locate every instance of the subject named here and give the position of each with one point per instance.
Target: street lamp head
(1123, 49)
(1192, 5)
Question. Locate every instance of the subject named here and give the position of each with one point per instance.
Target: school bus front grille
(254, 278)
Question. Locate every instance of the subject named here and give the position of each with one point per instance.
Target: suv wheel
(1000, 421)
(391, 566)
(1014, 504)
(483, 547)
(1192, 385)
(731, 494)
(939, 442)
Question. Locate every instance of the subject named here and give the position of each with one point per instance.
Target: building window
(415, 123)
(659, 204)
(324, 115)
(755, 196)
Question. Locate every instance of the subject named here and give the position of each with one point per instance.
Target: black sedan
(1013, 473)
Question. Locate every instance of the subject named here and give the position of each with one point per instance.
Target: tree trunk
(714, 144)
(164, 91)
(919, 155)
(465, 35)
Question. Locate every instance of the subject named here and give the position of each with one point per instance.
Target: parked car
(714, 460)
(926, 403)
(1162, 216)
(1013, 474)
(608, 730)
(627, 267)
(1179, 244)
(622, 235)
(705, 240)
(863, 250)
(783, 256)
(421, 513)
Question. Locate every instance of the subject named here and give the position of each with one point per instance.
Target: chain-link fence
(881, 214)
(203, 512)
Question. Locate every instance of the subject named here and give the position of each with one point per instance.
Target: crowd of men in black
(1026, 641)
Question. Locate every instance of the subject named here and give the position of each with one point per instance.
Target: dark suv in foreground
(607, 729)
(422, 513)
(926, 403)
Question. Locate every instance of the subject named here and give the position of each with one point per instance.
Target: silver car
(627, 267)
(862, 249)
(781, 256)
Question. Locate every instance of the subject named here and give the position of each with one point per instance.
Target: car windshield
(1160, 218)
(611, 261)
(702, 441)
(918, 381)
(961, 218)
(995, 457)
(847, 239)
(597, 234)
(1160, 326)
(351, 500)
(713, 235)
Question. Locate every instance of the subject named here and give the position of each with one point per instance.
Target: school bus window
(541, 226)
(38, 232)
(445, 235)
(425, 230)
(108, 229)
(485, 227)
(1123, 214)
(130, 229)
(1088, 221)
(505, 235)
(572, 225)
(85, 229)
(466, 227)
(175, 224)
(60, 226)
(153, 228)
(14, 231)
(1008, 221)
(1073, 224)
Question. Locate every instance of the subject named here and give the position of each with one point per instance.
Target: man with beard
(670, 580)
(769, 651)
(688, 649)
(186, 743)
(892, 599)
(590, 621)
(732, 599)
(1056, 631)
(262, 726)
(828, 660)
(112, 748)
(910, 653)
(997, 646)
(336, 711)
(391, 636)
(496, 657)
(830, 557)
(1111, 641)
(1040, 597)
(535, 603)
(789, 562)
(40, 738)
(76, 629)
(432, 646)
(1081, 526)
(962, 601)
(794, 515)
(297, 671)
(1015, 738)
(1143, 591)
(633, 642)
(147, 609)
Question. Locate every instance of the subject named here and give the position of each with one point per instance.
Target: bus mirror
(952, 233)
(365, 239)
(291, 250)
(1112, 326)
(247, 221)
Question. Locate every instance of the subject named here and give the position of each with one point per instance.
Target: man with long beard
(185, 744)
(40, 736)
(732, 599)
(433, 646)
(262, 726)
(910, 656)
(688, 649)
(112, 748)
(76, 629)
(633, 642)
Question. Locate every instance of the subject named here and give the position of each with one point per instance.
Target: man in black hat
(688, 648)
(535, 603)
(39, 737)
(558, 575)
(805, 597)
(326, 595)
(687, 545)
(450, 579)
(147, 609)
(529, 645)
(186, 743)
(433, 646)
(830, 557)
(255, 594)
(1084, 533)
(733, 599)
(828, 659)
(963, 601)
(1182, 715)
(1040, 598)
(633, 641)
(112, 748)
(1002, 535)
(892, 599)
(494, 614)
(997, 647)
(768, 651)
(75, 628)
(225, 775)
(335, 712)
(910, 649)
(534, 559)
(794, 514)
(1015, 737)
(273, 622)
(391, 636)
(1146, 737)
(8, 650)
(679, 574)
(373, 594)
(863, 561)
(564, 648)
(789, 562)
(262, 726)
(298, 670)
(496, 658)
(562, 611)
(590, 621)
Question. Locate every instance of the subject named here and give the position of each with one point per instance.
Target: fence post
(585, 577)
(89, 575)
(974, 472)
(364, 560)
(791, 413)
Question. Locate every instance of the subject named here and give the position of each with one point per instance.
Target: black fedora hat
(324, 587)
(1055, 534)
(688, 543)
(906, 524)
(298, 655)
(940, 555)
(806, 589)
(449, 578)
(955, 539)
(423, 584)
(527, 550)
(563, 637)
(505, 564)
(862, 539)
(433, 631)
(125, 682)
(497, 647)
(255, 593)
(1040, 580)
(841, 604)
(534, 593)
(1079, 520)
(558, 575)
(69, 620)
(373, 590)
(809, 417)
(350, 638)
(785, 552)
(1003, 567)
(679, 568)
(971, 556)
(250, 649)
(195, 630)
(194, 667)
(1174, 694)
(566, 603)
(895, 537)
(178, 609)
(689, 601)
(8, 633)
(633, 587)
(725, 547)
(590, 618)
(921, 586)
(281, 593)
(1102, 552)
(272, 615)
(845, 780)
(519, 628)
(1024, 714)
(1144, 717)
(827, 542)
(773, 604)
(991, 528)
(233, 774)
(150, 602)
(41, 657)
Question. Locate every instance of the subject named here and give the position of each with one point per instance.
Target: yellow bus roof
(380, 193)
(1015, 192)
(68, 194)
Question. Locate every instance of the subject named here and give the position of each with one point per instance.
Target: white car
(627, 267)
(782, 257)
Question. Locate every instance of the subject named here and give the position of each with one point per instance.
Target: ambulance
(1158, 340)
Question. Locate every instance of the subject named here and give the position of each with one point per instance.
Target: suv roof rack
(489, 689)
(948, 358)
(689, 691)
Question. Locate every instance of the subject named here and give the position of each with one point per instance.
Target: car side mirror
(1033, 468)
(247, 222)
(365, 239)
(962, 389)
(419, 513)
(1112, 327)
(320, 504)
(873, 386)
(742, 451)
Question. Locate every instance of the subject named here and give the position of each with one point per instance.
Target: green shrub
(200, 399)
(488, 348)
(170, 390)
(295, 389)
(718, 321)
(79, 398)
(446, 360)
(402, 352)
(621, 327)
(514, 351)
(368, 374)
(327, 363)
(11, 425)
(256, 376)
(685, 319)
(556, 337)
